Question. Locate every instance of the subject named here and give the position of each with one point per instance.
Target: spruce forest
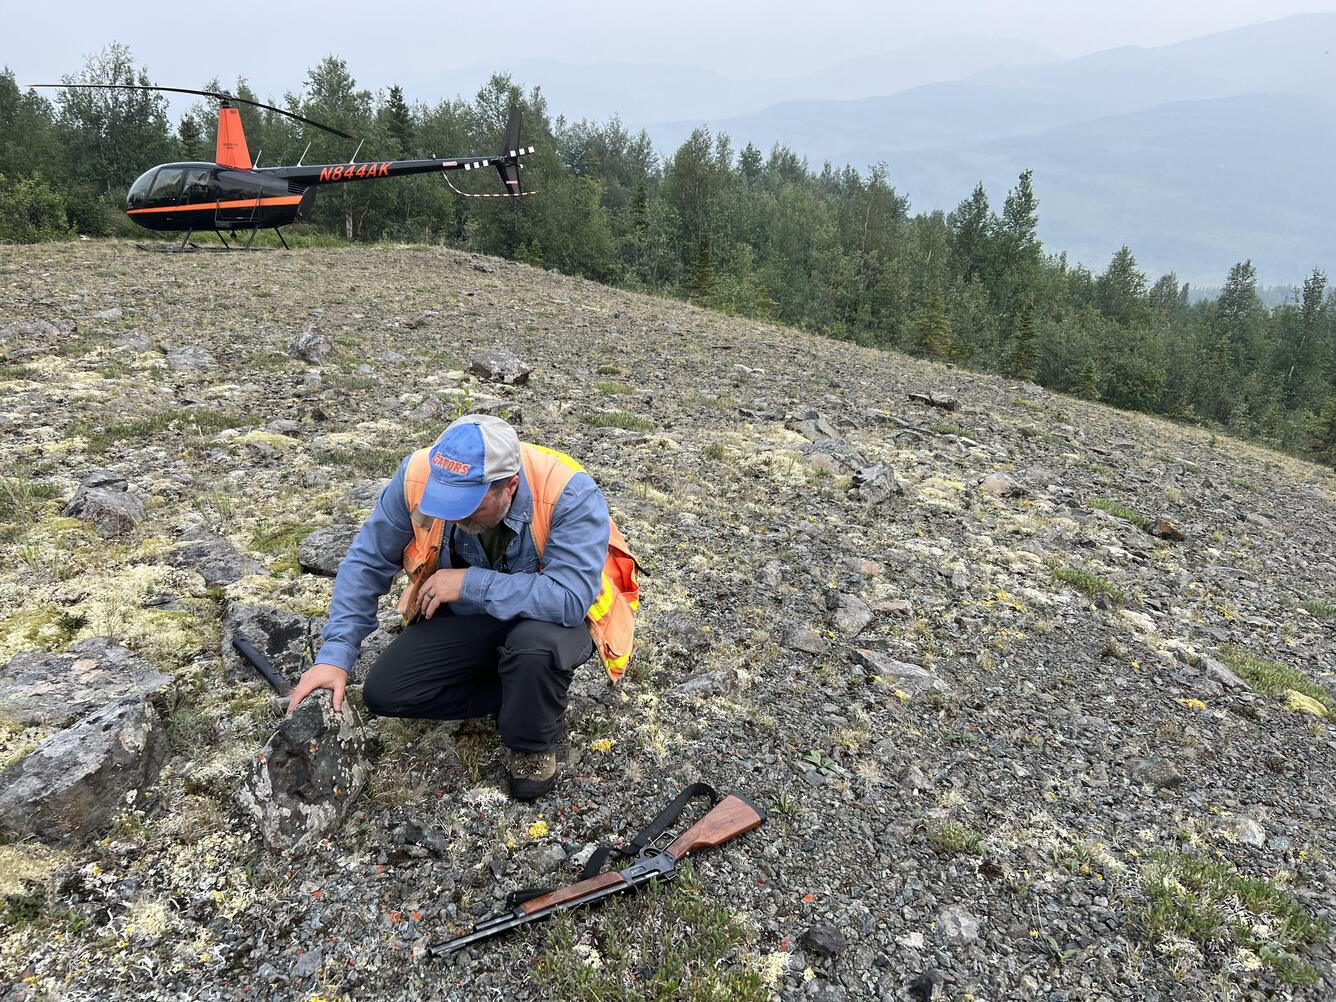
(835, 250)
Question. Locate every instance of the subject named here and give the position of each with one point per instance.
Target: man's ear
(514, 485)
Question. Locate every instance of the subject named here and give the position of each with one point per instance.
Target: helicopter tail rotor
(507, 162)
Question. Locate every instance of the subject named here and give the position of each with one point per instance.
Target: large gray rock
(288, 640)
(216, 560)
(813, 426)
(323, 550)
(498, 365)
(188, 358)
(902, 675)
(876, 484)
(312, 347)
(72, 786)
(56, 689)
(104, 499)
(309, 774)
(850, 614)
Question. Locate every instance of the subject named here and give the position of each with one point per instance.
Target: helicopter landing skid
(186, 247)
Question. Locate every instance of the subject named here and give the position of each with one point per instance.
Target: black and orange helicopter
(233, 194)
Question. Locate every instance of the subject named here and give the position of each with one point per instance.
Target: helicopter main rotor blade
(216, 95)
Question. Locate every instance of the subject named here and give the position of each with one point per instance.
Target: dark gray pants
(455, 667)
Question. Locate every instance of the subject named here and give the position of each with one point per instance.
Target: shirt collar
(521, 506)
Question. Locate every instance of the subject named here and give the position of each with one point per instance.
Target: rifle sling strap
(646, 837)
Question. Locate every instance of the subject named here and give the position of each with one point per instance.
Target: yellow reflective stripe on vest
(561, 457)
(615, 663)
(604, 601)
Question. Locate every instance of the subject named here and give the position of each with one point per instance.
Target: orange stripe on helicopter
(245, 203)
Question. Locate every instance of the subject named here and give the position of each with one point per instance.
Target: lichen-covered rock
(216, 560)
(908, 678)
(850, 614)
(285, 638)
(313, 347)
(323, 550)
(73, 785)
(55, 689)
(190, 359)
(498, 365)
(104, 499)
(310, 772)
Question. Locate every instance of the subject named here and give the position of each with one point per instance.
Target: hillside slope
(1053, 774)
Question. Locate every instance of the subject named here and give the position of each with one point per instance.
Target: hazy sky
(273, 44)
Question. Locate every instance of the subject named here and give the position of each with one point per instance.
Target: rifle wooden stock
(731, 817)
(575, 891)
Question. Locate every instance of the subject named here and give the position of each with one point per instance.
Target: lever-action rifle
(728, 818)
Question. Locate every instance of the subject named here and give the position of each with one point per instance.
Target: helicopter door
(238, 201)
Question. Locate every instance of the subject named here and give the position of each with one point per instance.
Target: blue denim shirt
(562, 592)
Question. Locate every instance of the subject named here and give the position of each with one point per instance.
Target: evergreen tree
(932, 329)
(972, 224)
(702, 283)
(1120, 292)
(1089, 386)
(1023, 343)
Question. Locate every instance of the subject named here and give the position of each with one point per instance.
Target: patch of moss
(1208, 901)
(1319, 609)
(618, 419)
(1091, 584)
(197, 420)
(614, 388)
(679, 940)
(40, 627)
(362, 459)
(1271, 678)
(1122, 511)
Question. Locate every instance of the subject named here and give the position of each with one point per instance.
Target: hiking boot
(532, 774)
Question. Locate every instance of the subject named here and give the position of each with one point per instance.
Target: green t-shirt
(494, 542)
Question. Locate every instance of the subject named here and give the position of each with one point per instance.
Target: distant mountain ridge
(1118, 155)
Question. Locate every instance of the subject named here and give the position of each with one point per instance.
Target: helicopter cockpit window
(139, 190)
(199, 185)
(166, 186)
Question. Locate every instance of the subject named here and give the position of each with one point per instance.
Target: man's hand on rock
(443, 586)
(320, 676)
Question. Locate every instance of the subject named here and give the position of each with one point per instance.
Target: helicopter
(233, 194)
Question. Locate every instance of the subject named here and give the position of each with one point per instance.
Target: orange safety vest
(611, 619)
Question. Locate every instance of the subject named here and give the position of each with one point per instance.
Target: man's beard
(474, 526)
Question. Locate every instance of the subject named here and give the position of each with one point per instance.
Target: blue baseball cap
(473, 453)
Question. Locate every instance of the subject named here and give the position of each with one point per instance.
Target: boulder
(958, 925)
(312, 347)
(942, 401)
(1001, 485)
(37, 688)
(850, 615)
(216, 560)
(806, 639)
(1164, 528)
(499, 365)
(190, 359)
(104, 499)
(813, 426)
(323, 550)
(285, 638)
(136, 340)
(310, 772)
(72, 786)
(900, 674)
(876, 484)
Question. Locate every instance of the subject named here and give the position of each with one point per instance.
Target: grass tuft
(1209, 902)
(951, 838)
(1122, 511)
(618, 419)
(1271, 678)
(1091, 584)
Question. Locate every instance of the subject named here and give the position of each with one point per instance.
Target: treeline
(752, 233)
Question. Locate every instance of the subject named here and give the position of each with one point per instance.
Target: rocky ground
(1015, 739)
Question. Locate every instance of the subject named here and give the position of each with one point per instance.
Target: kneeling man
(502, 573)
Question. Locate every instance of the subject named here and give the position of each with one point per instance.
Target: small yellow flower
(1034, 933)
(1193, 704)
(1133, 853)
(1136, 664)
(205, 958)
(901, 695)
(538, 829)
(602, 744)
